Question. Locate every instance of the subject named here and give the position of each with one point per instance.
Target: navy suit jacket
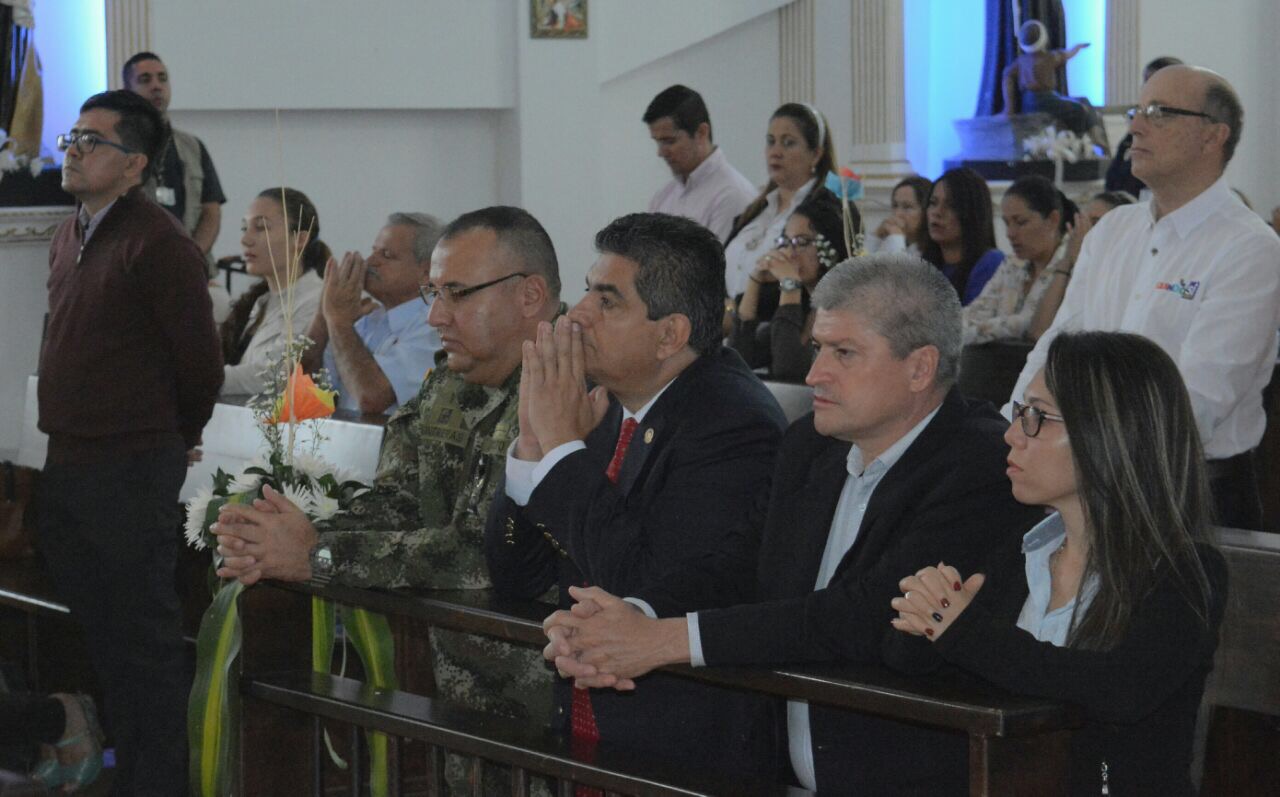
(947, 499)
(692, 488)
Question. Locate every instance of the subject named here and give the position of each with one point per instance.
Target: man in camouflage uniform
(494, 277)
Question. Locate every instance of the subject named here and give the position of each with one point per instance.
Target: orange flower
(309, 401)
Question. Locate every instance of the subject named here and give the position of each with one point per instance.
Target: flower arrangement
(1056, 145)
(847, 184)
(10, 161)
(290, 398)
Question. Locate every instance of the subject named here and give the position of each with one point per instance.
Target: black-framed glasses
(453, 294)
(1032, 418)
(794, 242)
(1156, 113)
(86, 143)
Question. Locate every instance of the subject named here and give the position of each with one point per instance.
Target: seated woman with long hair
(1022, 297)
(280, 227)
(799, 153)
(1113, 602)
(962, 235)
(778, 289)
(904, 229)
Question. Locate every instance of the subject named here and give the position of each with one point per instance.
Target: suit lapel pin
(648, 435)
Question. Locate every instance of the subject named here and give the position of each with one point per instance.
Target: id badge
(166, 195)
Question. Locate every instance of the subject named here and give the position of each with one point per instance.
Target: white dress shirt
(753, 240)
(1203, 282)
(714, 195)
(268, 339)
(1038, 548)
(855, 496)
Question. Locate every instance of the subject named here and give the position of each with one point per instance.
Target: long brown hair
(804, 118)
(1139, 472)
(970, 199)
(300, 216)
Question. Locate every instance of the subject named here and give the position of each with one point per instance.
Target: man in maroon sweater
(128, 377)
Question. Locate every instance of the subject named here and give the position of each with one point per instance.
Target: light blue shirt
(402, 343)
(855, 496)
(1038, 545)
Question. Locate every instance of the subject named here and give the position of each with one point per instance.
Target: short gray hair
(906, 300)
(426, 232)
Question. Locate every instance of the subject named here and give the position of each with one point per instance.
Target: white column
(128, 32)
(1123, 78)
(879, 151)
(796, 52)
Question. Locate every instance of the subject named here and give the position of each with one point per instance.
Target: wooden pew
(1017, 744)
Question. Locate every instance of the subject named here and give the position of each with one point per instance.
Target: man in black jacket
(664, 463)
(892, 472)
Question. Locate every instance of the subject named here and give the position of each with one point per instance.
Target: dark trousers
(109, 531)
(1234, 484)
(26, 718)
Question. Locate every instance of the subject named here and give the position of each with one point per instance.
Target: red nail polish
(946, 604)
(956, 586)
(929, 631)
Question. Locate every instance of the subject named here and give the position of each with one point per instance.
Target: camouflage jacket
(422, 525)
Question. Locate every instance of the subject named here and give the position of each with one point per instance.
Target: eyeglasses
(453, 294)
(1156, 114)
(86, 143)
(1032, 418)
(795, 242)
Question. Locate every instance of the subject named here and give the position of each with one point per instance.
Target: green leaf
(370, 635)
(213, 707)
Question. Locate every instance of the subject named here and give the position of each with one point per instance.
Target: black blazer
(691, 489)
(947, 499)
(1140, 698)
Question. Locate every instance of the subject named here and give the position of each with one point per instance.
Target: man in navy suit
(665, 462)
(892, 472)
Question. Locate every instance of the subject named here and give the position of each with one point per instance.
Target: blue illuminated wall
(943, 57)
(71, 38)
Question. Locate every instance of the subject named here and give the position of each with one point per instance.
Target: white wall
(1238, 40)
(356, 166)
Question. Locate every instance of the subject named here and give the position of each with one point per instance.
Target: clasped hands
(555, 406)
(271, 539)
(932, 599)
(775, 266)
(603, 641)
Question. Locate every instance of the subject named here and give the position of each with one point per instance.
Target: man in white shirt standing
(705, 187)
(379, 357)
(1194, 270)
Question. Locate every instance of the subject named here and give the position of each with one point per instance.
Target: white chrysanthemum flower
(300, 497)
(315, 467)
(196, 509)
(323, 507)
(245, 482)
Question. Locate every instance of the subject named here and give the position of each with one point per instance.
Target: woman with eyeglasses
(1113, 602)
(778, 288)
(280, 243)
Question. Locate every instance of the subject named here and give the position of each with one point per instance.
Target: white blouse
(268, 339)
(753, 240)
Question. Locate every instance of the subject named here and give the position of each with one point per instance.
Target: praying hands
(603, 641)
(271, 539)
(555, 406)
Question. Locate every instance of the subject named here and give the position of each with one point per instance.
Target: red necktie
(582, 719)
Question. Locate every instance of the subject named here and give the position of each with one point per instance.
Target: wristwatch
(321, 565)
(791, 284)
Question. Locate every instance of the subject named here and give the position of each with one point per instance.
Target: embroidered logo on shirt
(1183, 288)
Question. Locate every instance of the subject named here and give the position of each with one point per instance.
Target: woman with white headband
(799, 154)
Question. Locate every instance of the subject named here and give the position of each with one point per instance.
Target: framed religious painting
(558, 19)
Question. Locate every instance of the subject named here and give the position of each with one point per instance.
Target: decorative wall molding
(1122, 72)
(795, 52)
(26, 225)
(128, 32)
